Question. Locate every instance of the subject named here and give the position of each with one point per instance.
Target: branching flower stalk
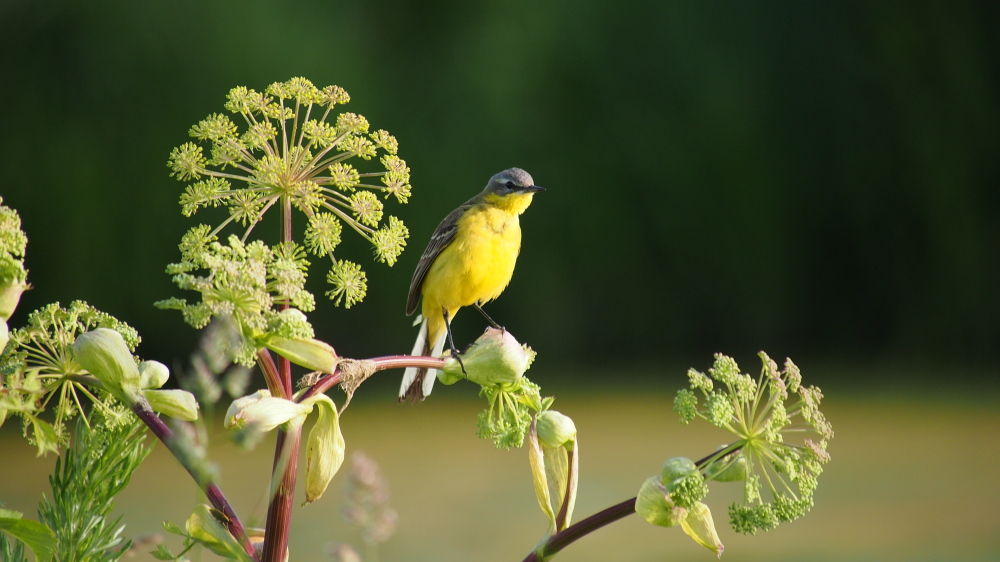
(40, 372)
(287, 158)
(213, 493)
(782, 438)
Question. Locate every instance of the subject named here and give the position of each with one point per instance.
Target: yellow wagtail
(469, 260)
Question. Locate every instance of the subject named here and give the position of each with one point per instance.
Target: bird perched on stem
(468, 261)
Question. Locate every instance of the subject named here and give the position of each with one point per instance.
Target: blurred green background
(818, 180)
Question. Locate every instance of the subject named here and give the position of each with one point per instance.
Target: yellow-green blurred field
(910, 479)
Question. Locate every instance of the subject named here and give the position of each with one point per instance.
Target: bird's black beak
(532, 188)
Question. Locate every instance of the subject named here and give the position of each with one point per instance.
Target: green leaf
(163, 553)
(39, 538)
(173, 528)
(45, 437)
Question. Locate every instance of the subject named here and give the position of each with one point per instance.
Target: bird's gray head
(513, 180)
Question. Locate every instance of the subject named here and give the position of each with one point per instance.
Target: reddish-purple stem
(279, 510)
(212, 491)
(272, 375)
(381, 364)
(286, 449)
(580, 529)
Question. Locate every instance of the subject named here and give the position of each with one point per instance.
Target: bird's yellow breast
(479, 262)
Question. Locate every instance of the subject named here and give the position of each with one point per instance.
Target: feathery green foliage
(12, 550)
(91, 472)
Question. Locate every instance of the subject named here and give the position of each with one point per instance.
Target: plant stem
(272, 376)
(580, 529)
(286, 449)
(381, 364)
(212, 491)
(564, 538)
(279, 510)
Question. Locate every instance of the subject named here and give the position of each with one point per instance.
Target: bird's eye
(510, 184)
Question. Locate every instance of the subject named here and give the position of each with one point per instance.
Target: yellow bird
(468, 261)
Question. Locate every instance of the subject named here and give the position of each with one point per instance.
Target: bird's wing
(443, 235)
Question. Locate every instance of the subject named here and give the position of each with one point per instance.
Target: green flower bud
(677, 467)
(655, 506)
(152, 374)
(310, 353)
(105, 355)
(699, 526)
(4, 338)
(178, 404)
(10, 295)
(495, 358)
(555, 460)
(452, 373)
(204, 527)
(730, 468)
(556, 429)
(325, 448)
(262, 412)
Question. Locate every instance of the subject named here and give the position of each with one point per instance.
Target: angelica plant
(289, 151)
(778, 455)
(93, 470)
(288, 156)
(781, 437)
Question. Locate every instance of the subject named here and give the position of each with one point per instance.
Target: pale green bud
(556, 429)
(677, 467)
(730, 468)
(325, 448)
(105, 355)
(178, 404)
(655, 506)
(152, 374)
(10, 295)
(262, 412)
(310, 353)
(495, 358)
(453, 374)
(539, 477)
(203, 526)
(4, 338)
(699, 526)
(555, 458)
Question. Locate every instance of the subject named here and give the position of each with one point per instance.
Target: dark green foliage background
(818, 179)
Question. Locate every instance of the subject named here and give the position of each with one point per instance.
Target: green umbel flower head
(244, 282)
(39, 369)
(13, 276)
(781, 437)
(282, 152)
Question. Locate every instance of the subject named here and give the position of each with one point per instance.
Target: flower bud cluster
(673, 498)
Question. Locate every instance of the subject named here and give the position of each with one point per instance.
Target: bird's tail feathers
(419, 381)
